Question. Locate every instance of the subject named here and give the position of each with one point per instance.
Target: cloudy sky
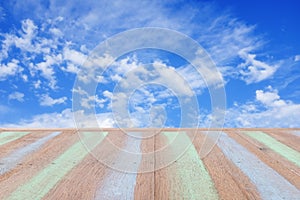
(45, 44)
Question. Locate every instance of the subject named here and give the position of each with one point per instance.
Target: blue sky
(254, 44)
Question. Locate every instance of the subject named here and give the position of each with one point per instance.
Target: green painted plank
(268, 182)
(45, 180)
(282, 149)
(8, 136)
(193, 180)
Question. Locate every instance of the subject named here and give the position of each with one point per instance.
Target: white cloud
(29, 32)
(33, 43)
(46, 100)
(171, 79)
(9, 69)
(297, 58)
(158, 73)
(29, 28)
(47, 68)
(28, 40)
(47, 120)
(56, 32)
(284, 116)
(253, 70)
(71, 68)
(6, 44)
(191, 76)
(126, 65)
(224, 36)
(93, 68)
(37, 84)
(89, 102)
(269, 98)
(200, 80)
(220, 33)
(80, 91)
(16, 96)
(63, 119)
(107, 94)
(266, 98)
(134, 99)
(269, 110)
(25, 77)
(76, 57)
(154, 117)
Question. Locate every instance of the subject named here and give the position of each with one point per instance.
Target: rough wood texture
(215, 176)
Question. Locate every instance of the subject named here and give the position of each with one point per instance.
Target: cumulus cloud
(157, 73)
(211, 28)
(221, 34)
(47, 68)
(145, 91)
(89, 102)
(270, 97)
(9, 69)
(93, 67)
(64, 38)
(29, 31)
(35, 47)
(16, 96)
(46, 100)
(267, 110)
(108, 94)
(63, 119)
(27, 40)
(74, 56)
(47, 120)
(37, 84)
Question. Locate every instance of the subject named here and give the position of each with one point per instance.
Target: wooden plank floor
(150, 164)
